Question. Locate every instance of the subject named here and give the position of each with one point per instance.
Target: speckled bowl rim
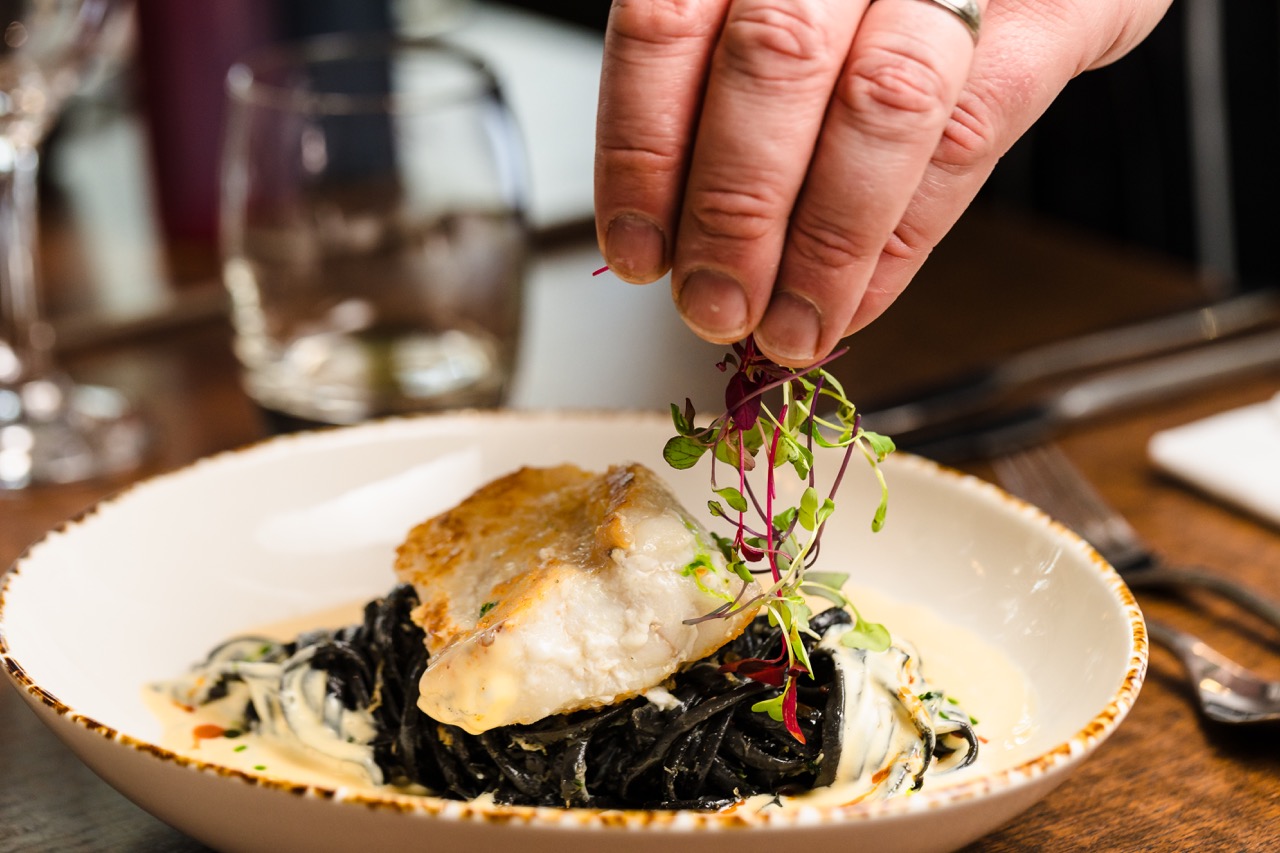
(1058, 759)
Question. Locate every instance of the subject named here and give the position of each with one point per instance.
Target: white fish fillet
(551, 590)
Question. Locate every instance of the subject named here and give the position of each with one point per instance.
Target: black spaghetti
(695, 744)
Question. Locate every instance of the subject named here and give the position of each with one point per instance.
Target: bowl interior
(147, 582)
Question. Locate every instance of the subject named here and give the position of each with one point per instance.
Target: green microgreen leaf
(809, 509)
(815, 412)
(825, 511)
(740, 569)
(727, 452)
(679, 421)
(682, 452)
(784, 519)
(733, 498)
(877, 521)
(830, 580)
(881, 444)
(828, 585)
(772, 707)
(835, 597)
(871, 636)
(801, 459)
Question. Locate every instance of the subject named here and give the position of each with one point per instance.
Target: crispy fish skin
(555, 589)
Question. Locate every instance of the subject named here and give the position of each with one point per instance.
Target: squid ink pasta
(871, 725)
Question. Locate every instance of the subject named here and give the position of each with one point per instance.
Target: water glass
(372, 224)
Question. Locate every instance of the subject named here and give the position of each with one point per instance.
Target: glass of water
(373, 234)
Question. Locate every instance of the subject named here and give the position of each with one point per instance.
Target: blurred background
(1186, 122)
(1166, 155)
(1148, 190)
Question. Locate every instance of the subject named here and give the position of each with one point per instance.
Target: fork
(1226, 691)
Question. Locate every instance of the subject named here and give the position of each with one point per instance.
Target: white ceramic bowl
(143, 585)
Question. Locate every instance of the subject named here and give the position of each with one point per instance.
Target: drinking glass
(373, 231)
(51, 430)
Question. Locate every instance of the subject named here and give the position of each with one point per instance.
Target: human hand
(793, 162)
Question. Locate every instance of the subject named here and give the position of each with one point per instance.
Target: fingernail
(714, 304)
(635, 248)
(790, 328)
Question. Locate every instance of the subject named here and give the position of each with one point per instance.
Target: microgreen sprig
(780, 543)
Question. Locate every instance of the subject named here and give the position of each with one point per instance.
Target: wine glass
(373, 234)
(51, 430)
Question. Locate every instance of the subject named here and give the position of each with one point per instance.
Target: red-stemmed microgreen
(780, 544)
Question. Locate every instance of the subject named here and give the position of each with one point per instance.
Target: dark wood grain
(1164, 781)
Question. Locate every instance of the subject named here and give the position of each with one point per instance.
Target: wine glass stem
(25, 339)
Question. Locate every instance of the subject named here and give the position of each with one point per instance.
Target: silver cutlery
(1226, 692)
(998, 429)
(984, 390)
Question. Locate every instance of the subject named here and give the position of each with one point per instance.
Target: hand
(793, 162)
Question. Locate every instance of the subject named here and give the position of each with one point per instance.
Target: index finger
(656, 56)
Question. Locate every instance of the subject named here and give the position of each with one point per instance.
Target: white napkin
(1233, 456)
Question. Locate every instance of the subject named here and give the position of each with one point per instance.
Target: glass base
(53, 432)
(332, 378)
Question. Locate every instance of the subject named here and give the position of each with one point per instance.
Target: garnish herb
(779, 543)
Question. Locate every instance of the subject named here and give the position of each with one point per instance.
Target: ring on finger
(967, 11)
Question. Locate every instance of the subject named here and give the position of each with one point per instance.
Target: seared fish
(551, 590)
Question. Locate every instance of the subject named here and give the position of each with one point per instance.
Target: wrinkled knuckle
(906, 243)
(655, 157)
(776, 45)
(970, 138)
(733, 215)
(894, 95)
(661, 21)
(823, 243)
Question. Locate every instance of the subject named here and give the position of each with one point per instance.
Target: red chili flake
(205, 731)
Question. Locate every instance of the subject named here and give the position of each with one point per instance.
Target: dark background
(1112, 154)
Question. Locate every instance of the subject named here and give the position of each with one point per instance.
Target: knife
(1106, 393)
(984, 391)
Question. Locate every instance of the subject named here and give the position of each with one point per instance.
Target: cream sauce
(214, 732)
(987, 685)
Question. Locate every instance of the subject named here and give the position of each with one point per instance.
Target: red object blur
(184, 51)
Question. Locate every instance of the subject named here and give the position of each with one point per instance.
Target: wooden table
(1163, 781)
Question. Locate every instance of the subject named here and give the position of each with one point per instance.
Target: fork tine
(1044, 476)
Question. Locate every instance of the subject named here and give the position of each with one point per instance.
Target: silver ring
(967, 11)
